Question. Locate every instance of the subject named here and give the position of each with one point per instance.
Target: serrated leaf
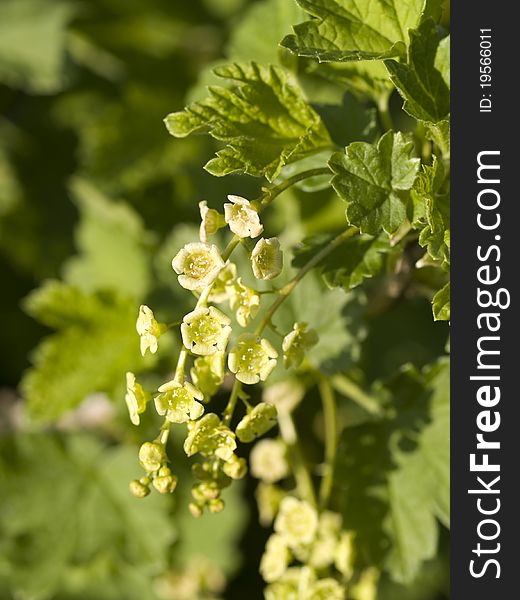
(33, 43)
(441, 304)
(110, 239)
(346, 30)
(423, 88)
(374, 180)
(264, 121)
(432, 208)
(442, 59)
(439, 134)
(356, 259)
(66, 513)
(393, 473)
(95, 346)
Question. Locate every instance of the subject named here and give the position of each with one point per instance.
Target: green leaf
(442, 59)
(439, 133)
(32, 44)
(252, 40)
(374, 180)
(423, 88)
(264, 121)
(441, 304)
(346, 30)
(392, 476)
(433, 212)
(94, 347)
(111, 240)
(68, 519)
(356, 259)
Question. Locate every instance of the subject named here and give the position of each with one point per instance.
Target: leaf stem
(328, 400)
(271, 193)
(287, 289)
(383, 107)
(227, 415)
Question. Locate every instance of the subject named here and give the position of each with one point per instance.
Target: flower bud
(268, 499)
(267, 259)
(138, 490)
(261, 418)
(151, 456)
(252, 359)
(211, 221)
(268, 461)
(221, 289)
(179, 402)
(197, 265)
(210, 438)
(216, 506)
(205, 331)
(242, 218)
(135, 398)
(195, 509)
(148, 329)
(244, 301)
(236, 468)
(207, 373)
(344, 554)
(296, 343)
(165, 484)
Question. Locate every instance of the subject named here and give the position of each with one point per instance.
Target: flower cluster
(314, 540)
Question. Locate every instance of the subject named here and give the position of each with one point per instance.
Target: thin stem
(331, 438)
(227, 415)
(272, 193)
(287, 289)
(302, 476)
(351, 390)
(383, 107)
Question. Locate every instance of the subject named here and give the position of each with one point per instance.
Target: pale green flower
(366, 586)
(138, 489)
(257, 422)
(268, 461)
(236, 467)
(178, 401)
(297, 522)
(205, 331)
(222, 286)
(268, 498)
(136, 398)
(148, 329)
(197, 265)
(267, 258)
(275, 559)
(242, 218)
(244, 301)
(285, 395)
(293, 585)
(211, 221)
(152, 456)
(207, 373)
(323, 550)
(344, 554)
(327, 589)
(210, 438)
(252, 359)
(296, 343)
(165, 482)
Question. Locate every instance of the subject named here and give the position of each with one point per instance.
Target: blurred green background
(95, 193)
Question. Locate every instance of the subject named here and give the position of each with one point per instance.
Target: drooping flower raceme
(211, 221)
(148, 329)
(242, 218)
(179, 402)
(197, 265)
(244, 301)
(296, 343)
(252, 359)
(267, 258)
(268, 461)
(136, 399)
(297, 522)
(205, 331)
